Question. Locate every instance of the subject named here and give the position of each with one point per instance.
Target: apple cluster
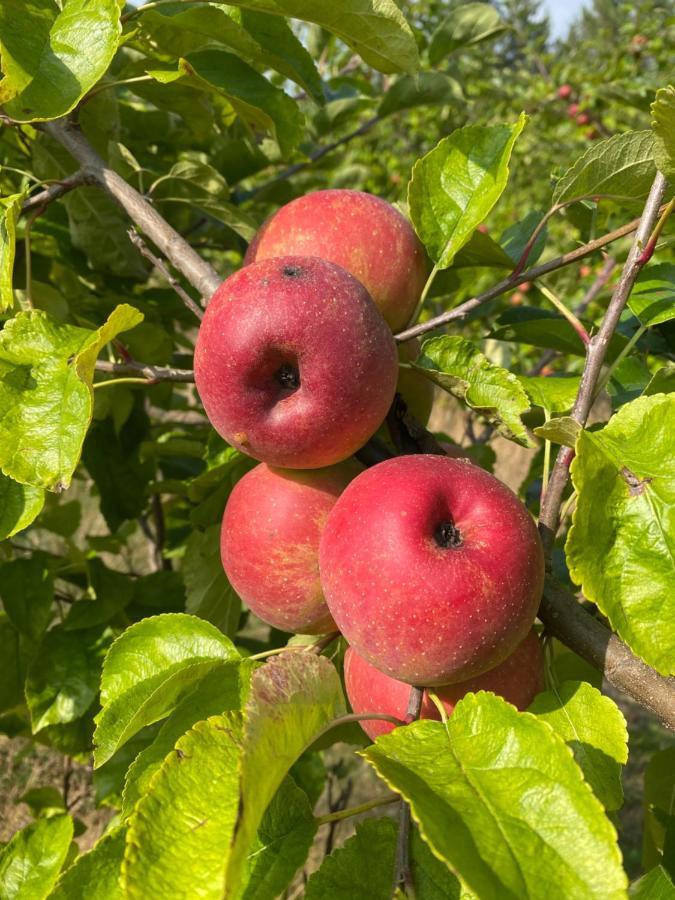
(429, 566)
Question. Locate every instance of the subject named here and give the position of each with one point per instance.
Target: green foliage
(365, 864)
(94, 875)
(10, 209)
(32, 860)
(663, 125)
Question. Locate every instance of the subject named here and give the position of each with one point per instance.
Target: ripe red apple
(432, 568)
(294, 363)
(517, 679)
(564, 91)
(583, 119)
(573, 110)
(269, 542)
(365, 235)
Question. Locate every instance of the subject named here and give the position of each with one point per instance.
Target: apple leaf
(455, 186)
(515, 238)
(179, 833)
(375, 29)
(52, 55)
(20, 504)
(95, 874)
(480, 250)
(659, 805)
(548, 330)
(149, 669)
(499, 797)
(27, 592)
(30, 863)
(621, 545)
(12, 682)
(10, 210)
(459, 367)
(662, 381)
(294, 697)
(621, 167)
(46, 396)
(466, 26)
(422, 89)
(223, 689)
(564, 430)
(209, 593)
(594, 729)
(652, 299)
(655, 885)
(663, 126)
(554, 394)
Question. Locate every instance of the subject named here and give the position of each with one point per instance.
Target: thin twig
(40, 200)
(153, 374)
(595, 356)
(354, 810)
(506, 284)
(402, 874)
(145, 251)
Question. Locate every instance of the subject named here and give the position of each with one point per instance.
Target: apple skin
(269, 542)
(364, 234)
(421, 612)
(564, 91)
(517, 679)
(307, 319)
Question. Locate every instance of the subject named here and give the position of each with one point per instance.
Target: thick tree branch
(595, 356)
(507, 284)
(181, 255)
(154, 374)
(54, 191)
(145, 251)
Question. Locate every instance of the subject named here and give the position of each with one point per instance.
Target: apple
(365, 235)
(269, 542)
(583, 119)
(517, 679)
(564, 91)
(573, 110)
(294, 364)
(432, 568)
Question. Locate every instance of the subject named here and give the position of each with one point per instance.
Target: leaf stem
(648, 252)
(611, 369)
(425, 290)
(106, 85)
(114, 381)
(567, 313)
(436, 700)
(153, 5)
(354, 810)
(547, 462)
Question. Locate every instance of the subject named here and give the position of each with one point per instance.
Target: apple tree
(285, 290)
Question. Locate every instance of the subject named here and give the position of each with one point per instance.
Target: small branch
(153, 374)
(595, 356)
(201, 275)
(402, 874)
(145, 251)
(161, 561)
(597, 286)
(40, 200)
(506, 284)
(648, 252)
(354, 810)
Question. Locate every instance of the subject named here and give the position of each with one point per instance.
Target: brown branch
(154, 374)
(595, 356)
(187, 261)
(507, 284)
(40, 200)
(145, 251)
(402, 874)
(597, 286)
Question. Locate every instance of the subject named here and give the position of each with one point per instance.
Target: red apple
(517, 679)
(432, 568)
(573, 110)
(564, 91)
(583, 119)
(365, 235)
(294, 363)
(269, 542)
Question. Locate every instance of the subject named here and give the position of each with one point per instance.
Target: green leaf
(27, 592)
(63, 677)
(594, 729)
(112, 591)
(284, 838)
(497, 794)
(455, 186)
(663, 126)
(652, 299)
(46, 398)
(655, 885)
(481, 250)
(13, 674)
(294, 697)
(432, 878)
(51, 57)
(515, 238)
(622, 167)
(554, 394)
(20, 504)
(45, 801)
(149, 669)
(10, 210)
(467, 25)
(209, 593)
(179, 833)
(223, 689)
(32, 860)
(459, 367)
(621, 545)
(363, 867)
(564, 430)
(375, 29)
(659, 806)
(424, 89)
(99, 228)
(662, 382)
(548, 330)
(251, 96)
(95, 874)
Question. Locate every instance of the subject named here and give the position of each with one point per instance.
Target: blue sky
(562, 13)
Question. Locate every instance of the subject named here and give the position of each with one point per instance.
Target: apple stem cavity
(288, 376)
(447, 535)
